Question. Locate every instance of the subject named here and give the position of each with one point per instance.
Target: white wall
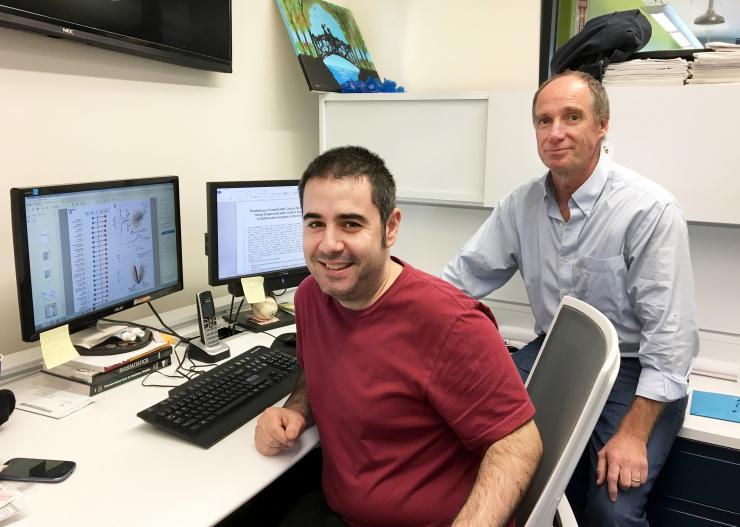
(466, 45)
(474, 45)
(77, 113)
(429, 45)
(74, 113)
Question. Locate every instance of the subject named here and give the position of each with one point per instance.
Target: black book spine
(130, 375)
(120, 378)
(111, 375)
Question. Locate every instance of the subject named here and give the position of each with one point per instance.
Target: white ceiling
(688, 10)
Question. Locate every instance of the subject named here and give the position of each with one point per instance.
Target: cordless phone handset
(209, 348)
(207, 319)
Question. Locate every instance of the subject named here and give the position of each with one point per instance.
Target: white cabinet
(434, 145)
(470, 149)
(687, 139)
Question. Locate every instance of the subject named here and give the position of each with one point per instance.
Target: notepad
(716, 405)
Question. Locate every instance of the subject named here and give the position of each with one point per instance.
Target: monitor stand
(281, 318)
(106, 340)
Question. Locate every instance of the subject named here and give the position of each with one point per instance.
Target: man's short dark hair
(598, 93)
(355, 162)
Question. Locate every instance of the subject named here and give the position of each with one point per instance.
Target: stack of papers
(641, 72)
(722, 46)
(44, 400)
(11, 502)
(720, 66)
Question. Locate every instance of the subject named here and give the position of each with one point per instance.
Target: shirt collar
(586, 195)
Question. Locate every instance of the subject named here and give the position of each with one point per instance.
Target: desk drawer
(701, 473)
(669, 517)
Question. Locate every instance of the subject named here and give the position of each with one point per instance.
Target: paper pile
(11, 502)
(720, 66)
(641, 72)
(43, 400)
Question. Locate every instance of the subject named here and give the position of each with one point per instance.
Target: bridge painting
(328, 43)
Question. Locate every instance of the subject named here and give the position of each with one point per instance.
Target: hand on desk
(277, 430)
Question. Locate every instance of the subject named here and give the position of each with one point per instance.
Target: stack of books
(720, 67)
(647, 72)
(90, 375)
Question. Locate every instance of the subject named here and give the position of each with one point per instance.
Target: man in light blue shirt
(595, 230)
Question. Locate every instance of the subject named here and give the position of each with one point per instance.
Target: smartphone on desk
(41, 470)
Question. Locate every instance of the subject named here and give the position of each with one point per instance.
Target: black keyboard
(209, 407)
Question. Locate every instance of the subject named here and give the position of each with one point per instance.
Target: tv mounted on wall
(193, 33)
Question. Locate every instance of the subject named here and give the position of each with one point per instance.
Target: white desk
(705, 429)
(129, 473)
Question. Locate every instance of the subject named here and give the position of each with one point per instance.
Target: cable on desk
(165, 326)
(285, 289)
(233, 317)
(188, 372)
(181, 371)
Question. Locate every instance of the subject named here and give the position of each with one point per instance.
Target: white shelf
(473, 148)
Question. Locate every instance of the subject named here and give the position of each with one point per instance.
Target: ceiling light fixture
(669, 20)
(710, 17)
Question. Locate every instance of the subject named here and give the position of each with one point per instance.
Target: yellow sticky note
(56, 347)
(254, 289)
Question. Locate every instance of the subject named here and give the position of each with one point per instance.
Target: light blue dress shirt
(624, 250)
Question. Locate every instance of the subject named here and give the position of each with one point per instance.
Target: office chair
(569, 384)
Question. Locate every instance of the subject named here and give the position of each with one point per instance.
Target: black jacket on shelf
(603, 40)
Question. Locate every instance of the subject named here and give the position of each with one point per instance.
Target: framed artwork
(680, 27)
(327, 42)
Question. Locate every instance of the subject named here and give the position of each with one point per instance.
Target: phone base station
(208, 354)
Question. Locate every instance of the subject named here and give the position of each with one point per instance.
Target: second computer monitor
(255, 228)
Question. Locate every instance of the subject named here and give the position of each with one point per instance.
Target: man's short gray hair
(598, 93)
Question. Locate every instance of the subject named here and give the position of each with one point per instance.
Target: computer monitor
(255, 228)
(86, 251)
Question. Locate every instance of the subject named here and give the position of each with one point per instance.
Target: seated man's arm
(489, 259)
(503, 477)
(279, 428)
(661, 286)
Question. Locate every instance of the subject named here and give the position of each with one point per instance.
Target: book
(83, 388)
(70, 371)
(102, 363)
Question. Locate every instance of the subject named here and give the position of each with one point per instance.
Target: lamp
(674, 25)
(710, 17)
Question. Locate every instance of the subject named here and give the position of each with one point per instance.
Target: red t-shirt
(407, 395)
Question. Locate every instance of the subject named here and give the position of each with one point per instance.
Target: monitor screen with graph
(85, 251)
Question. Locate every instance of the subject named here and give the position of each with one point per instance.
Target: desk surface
(129, 473)
(706, 429)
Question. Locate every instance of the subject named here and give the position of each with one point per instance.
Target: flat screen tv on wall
(193, 33)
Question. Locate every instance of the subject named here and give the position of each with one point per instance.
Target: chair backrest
(569, 384)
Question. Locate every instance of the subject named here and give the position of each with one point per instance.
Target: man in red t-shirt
(422, 415)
